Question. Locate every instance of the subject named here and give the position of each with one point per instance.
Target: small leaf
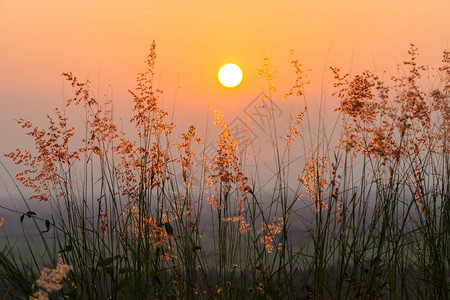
(29, 214)
(66, 248)
(169, 228)
(47, 226)
(108, 261)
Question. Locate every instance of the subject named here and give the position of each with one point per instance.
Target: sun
(230, 75)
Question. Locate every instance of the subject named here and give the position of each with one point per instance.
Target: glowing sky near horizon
(107, 41)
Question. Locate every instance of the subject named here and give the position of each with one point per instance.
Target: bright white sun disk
(230, 75)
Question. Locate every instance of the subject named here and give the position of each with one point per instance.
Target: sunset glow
(139, 163)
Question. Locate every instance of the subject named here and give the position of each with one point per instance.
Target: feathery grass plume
(186, 152)
(226, 164)
(244, 227)
(441, 105)
(293, 131)
(43, 170)
(269, 76)
(313, 180)
(51, 280)
(149, 117)
(381, 124)
(301, 80)
(271, 230)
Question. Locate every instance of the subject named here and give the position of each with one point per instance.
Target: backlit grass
(367, 217)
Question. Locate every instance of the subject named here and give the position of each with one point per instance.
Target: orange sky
(108, 40)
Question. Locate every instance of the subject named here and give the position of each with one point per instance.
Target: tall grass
(366, 218)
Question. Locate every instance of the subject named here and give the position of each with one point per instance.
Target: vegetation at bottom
(361, 212)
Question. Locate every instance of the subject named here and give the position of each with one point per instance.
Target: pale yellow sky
(108, 40)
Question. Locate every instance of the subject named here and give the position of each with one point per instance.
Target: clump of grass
(373, 208)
